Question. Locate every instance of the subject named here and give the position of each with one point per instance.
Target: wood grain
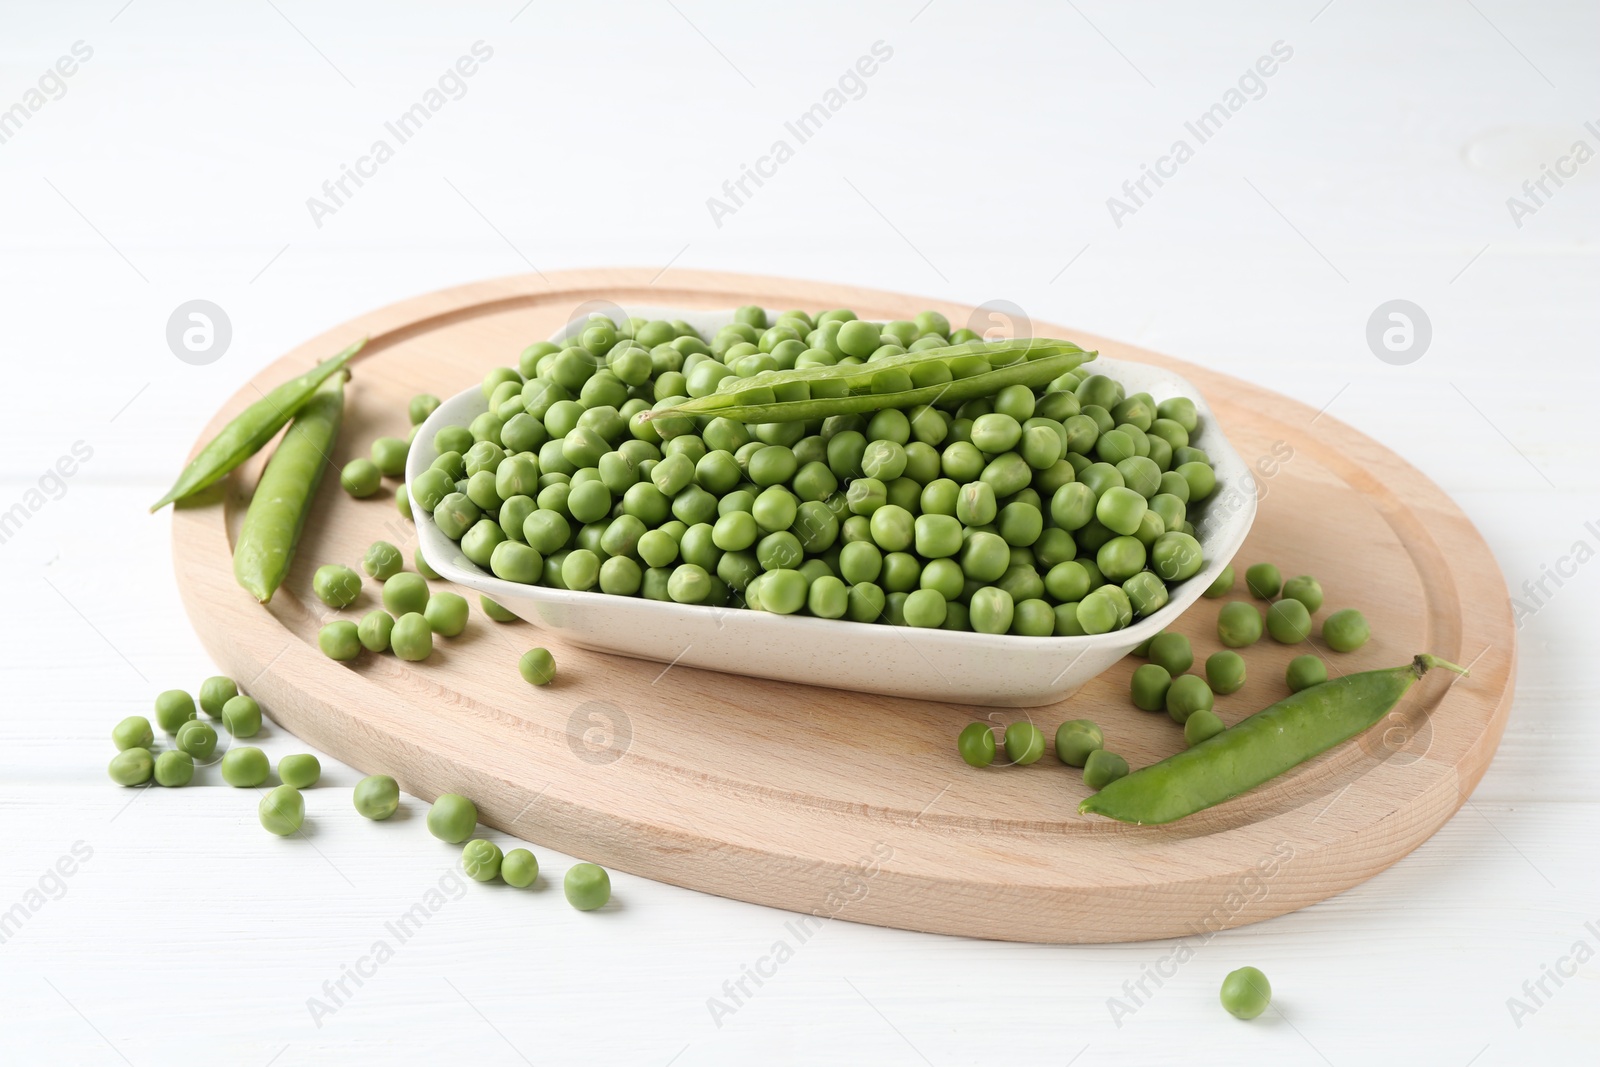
(833, 803)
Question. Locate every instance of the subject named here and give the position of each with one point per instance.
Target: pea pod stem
(253, 428)
(277, 512)
(1039, 362)
(1259, 748)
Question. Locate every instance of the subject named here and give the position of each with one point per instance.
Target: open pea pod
(253, 428)
(955, 373)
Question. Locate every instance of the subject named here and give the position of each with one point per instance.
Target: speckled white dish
(999, 670)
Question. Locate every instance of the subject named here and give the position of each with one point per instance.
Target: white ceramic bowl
(946, 665)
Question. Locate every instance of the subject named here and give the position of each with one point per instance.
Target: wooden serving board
(842, 805)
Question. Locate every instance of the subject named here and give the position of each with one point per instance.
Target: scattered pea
(245, 767)
(215, 692)
(1202, 725)
(174, 708)
(174, 768)
(446, 614)
(340, 640)
(1304, 672)
(452, 818)
(1101, 768)
(1263, 580)
(1246, 993)
(336, 585)
(1305, 589)
(405, 592)
(361, 478)
(1288, 621)
(481, 860)
(1239, 624)
(1172, 651)
(389, 456)
(1076, 740)
(376, 797)
(1149, 685)
(496, 611)
(1346, 630)
(1187, 695)
(241, 716)
(376, 630)
(412, 637)
(282, 811)
(1225, 672)
(587, 886)
(1222, 586)
(1024, 743)
(382, 561)
(133, 732)
(132, 766)
(537, 666)
(519, 868)
(198, 739)
(976, 744)
(301, 770)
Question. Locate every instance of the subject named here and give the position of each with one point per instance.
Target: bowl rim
(444, 556)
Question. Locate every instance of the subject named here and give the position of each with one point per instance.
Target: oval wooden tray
(836, 804)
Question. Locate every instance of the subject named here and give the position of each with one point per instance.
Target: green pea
(1202, 725)
(1176, 556)
(133, 732)
(132, 766)
(1149, 685)
(976, 744)
(537, 666)
(174, 768)
(282, 811)
(1172, 651)
(376, 797)
(1246, 993)
(174, 708)
(241, 716)
(1239, 624)
(412, 637)
(1024, 743)
(1101, 768)
(301, 770)
(1263, 580)
(519, 868)
(452, 818)
(1076, 740)
(389, 454)
(245, 767)
(1344, 631)
(587, 887)
(482, 860)
(1288, 622)
(340, 640)
(360, 478)
(1225, 672)
(336, 585)
(446, 614)
(1304, 672)
(198, 739)
(1187, 695)
(422, 405)
(1305, 589)
(1222, 586)
(216, 692)
(375, 630)
(991, 609)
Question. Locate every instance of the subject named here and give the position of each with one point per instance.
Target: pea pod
(949, 374)
(253, 428)
(277, 512)
(1260, 747)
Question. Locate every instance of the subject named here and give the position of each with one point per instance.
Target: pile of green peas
(411, 616)
(1060, 511)
(1078, 743)
(194, 740)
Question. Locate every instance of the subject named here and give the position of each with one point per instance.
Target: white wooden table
(975, 161)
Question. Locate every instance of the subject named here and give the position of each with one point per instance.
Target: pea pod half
(950, 374)
(1259, 748)
(253, 428)
(277, 512)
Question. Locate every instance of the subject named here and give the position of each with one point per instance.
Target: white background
(976, 165)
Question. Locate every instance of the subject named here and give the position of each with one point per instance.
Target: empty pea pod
(1260, 747)
(945, 374)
